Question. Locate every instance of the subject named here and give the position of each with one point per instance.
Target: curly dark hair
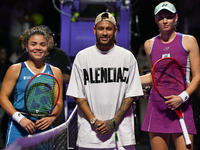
(33, 31)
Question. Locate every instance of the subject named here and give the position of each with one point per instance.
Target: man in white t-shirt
(104, 83)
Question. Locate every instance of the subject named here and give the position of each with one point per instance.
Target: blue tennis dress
(14, 130)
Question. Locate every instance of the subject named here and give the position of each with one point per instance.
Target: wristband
(17, 116)
(116, 137)
(184, 96)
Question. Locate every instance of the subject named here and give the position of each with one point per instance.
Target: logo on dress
(165, 55)
(166, 48)
(27, 77)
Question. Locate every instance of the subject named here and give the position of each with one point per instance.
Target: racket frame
(178, 110)
(48, 114)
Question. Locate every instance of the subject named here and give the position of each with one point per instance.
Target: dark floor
(142, 141)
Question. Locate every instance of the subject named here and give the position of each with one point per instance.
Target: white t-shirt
(105, 79)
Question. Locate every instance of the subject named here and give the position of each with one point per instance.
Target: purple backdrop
(78, 35)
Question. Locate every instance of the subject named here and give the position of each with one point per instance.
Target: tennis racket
(169, 79)
(41, 95)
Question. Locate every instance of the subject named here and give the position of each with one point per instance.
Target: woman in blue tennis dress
(35, 41)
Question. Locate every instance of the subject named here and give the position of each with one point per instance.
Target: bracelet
(116, 137)
(184, 96)
(17, 116)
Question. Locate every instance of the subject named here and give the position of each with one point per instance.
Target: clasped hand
(40, 124)
(104, 127)
(173, 101)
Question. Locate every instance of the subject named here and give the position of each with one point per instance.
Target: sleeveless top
(25, 75)
(159, 118)
(173, 49)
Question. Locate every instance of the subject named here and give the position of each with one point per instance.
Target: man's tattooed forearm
(81, 102)
(109, 125)
(123, 108)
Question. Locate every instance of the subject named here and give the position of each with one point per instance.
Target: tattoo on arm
(123, 108)
(81, 102)
(109, 124)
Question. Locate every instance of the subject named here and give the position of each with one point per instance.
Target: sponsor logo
(26, 77)
(164, 5)
(166, 48)
(165, 55)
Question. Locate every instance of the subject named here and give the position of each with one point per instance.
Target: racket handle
(185, 132)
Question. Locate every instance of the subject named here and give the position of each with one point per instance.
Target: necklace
(35, 69)
(40, 69)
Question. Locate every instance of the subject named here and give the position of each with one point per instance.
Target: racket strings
(169, 78)
(42, 92)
